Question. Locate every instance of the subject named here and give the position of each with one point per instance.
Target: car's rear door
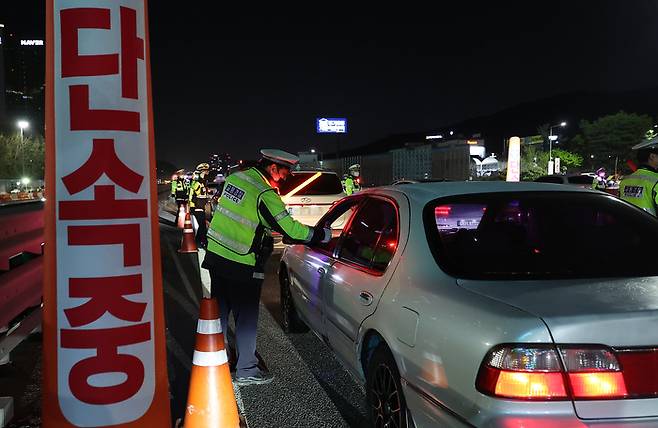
(355, 282)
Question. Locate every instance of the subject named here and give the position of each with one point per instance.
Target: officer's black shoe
(259, 378)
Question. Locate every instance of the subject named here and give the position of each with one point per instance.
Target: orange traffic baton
(188, 244)
(210, 400)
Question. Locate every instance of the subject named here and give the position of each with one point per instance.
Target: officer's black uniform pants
(241, 299)
(200, 215)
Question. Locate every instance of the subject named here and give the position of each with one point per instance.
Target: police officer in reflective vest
(239, 244)
(349, 185)
(599, 182)
(179, 190)
(198, 198)
(640, 188)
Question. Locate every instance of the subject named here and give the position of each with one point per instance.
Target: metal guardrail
(21, 272)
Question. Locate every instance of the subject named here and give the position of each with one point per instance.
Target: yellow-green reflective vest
(173, 186)
(198, 195)
(349, 186)
(639, 189)
(235, 224)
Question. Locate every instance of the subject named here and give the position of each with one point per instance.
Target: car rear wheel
(388, 408)
(291, 322)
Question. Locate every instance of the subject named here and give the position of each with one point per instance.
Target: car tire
(290, 320)
(386, 403)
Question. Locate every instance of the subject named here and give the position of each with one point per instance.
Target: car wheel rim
(386, 406)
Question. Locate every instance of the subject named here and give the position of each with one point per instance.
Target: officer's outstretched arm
(273, 212)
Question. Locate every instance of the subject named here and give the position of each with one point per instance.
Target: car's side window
(336, 220)
(372, 236)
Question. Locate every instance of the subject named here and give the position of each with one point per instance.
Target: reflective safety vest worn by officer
(198, 195)
(639, 189)
(349, 186)
(247, 207)
(178, 189)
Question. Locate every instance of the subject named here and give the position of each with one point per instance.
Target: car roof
(425, 192)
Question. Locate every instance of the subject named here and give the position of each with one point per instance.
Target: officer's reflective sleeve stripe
(281, 215)
(228, 242)
(259, 185)
(310, 235)
(237, 217)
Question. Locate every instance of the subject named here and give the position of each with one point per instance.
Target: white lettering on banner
(105, 314)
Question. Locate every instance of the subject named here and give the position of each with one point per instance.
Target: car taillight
(537, 372)
(593, 373)
(528, 373)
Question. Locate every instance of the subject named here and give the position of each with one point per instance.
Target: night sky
(228, 81)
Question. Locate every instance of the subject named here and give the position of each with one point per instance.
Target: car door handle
(365, 298)
(321, 271)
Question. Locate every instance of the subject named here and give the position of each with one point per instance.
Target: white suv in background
(309, 194)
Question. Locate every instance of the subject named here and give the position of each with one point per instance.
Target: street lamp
(22, 124)
(552, 137)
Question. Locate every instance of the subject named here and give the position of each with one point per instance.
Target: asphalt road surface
(310, 389)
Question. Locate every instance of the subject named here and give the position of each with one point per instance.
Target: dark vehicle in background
(418, 180)
(580, 180)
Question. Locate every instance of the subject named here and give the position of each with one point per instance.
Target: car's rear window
(527, 235)
(324, 184)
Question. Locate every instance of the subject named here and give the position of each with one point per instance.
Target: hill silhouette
(524, 119)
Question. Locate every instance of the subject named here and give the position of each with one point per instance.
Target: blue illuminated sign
(331, 125)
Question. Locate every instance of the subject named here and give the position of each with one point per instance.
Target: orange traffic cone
(210, 400)
(188, 244)
(181, 216)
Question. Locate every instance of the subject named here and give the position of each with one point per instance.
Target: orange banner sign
(104, 348)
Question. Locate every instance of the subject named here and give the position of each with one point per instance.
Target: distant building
(412, 161)
(219, 164)
(308, 160)
(22, 85)
(442, 159)
(486, 167)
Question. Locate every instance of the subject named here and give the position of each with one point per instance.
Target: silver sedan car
(487, 304)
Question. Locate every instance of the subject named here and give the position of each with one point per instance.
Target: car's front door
(309, 265)
(355, 282)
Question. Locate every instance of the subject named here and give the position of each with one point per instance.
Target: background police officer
(600, 182)
(179, 191)
(639, 188)
(239, 243)
(198, 198)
